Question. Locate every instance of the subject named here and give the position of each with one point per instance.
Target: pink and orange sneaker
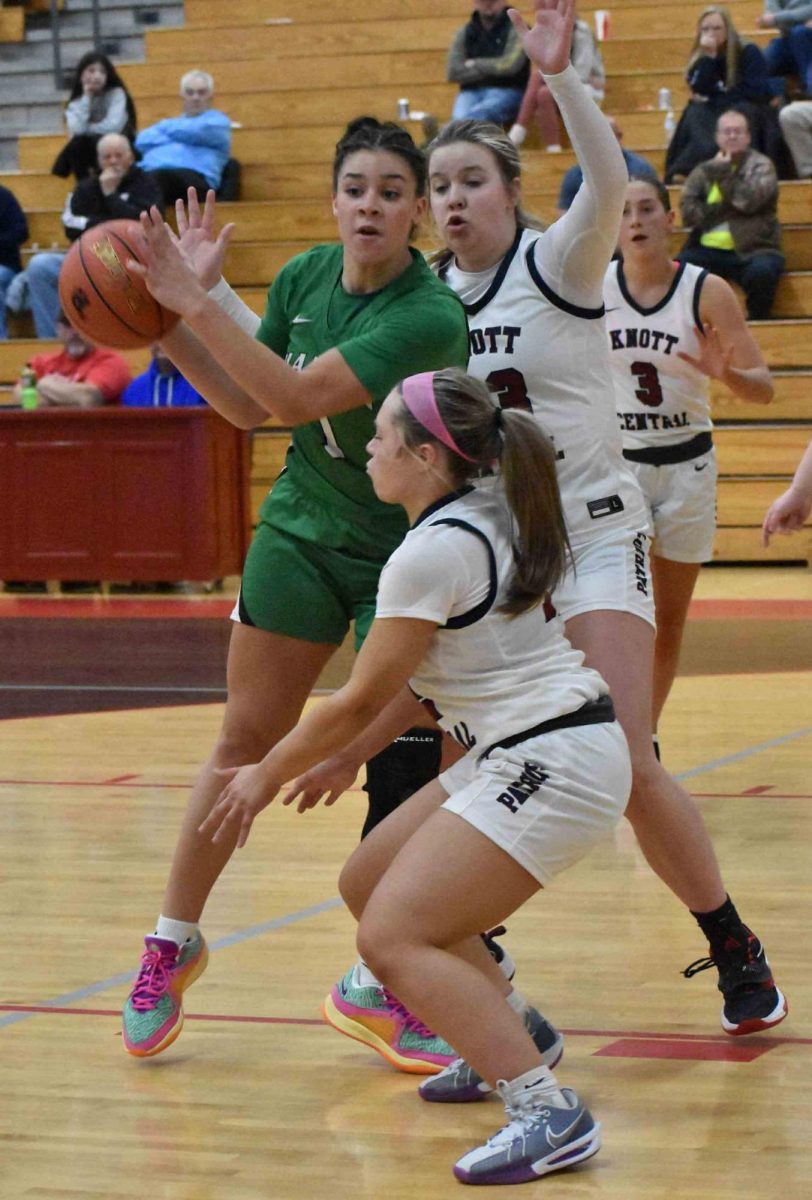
(153, 1011)
(374, 1016)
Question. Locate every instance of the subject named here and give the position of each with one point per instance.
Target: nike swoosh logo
(558, 1139)
(615, 309)
(302, 321)
(701, 467)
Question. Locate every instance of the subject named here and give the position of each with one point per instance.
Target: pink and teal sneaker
(153, 1012)
(374, 1016)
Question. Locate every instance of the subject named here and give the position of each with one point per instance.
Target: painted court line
(252, 931)
(231, 939)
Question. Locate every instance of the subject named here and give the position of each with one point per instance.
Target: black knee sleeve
(399, 771)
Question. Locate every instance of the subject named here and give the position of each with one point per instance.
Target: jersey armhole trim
(574, 310)
(479, 610)
(697, 297)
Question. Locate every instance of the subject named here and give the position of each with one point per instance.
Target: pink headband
(418, 396)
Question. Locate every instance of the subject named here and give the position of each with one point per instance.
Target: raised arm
(574, 253)
(729, 352)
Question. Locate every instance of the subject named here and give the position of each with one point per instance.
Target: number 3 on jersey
(649, 392)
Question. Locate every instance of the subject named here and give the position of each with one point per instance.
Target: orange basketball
(106, 302)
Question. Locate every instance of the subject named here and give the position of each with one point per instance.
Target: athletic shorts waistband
(594, 712)
(660, 456)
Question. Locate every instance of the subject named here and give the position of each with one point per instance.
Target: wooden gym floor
(106, 720)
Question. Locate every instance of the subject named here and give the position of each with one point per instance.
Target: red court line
(647, 1035)
(115, 608)
(216, 608)
(136, 781)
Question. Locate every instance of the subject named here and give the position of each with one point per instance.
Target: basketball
(102, 299)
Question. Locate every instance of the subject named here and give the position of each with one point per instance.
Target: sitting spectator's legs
(538, 104)
(175, 182)
(779, 58)
(800, 39)
(6, 276)
(487, 104)
(78, 158)
(43, 276)
(796, 126)
(759, 278)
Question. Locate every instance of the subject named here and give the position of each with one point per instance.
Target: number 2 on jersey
(649, 392)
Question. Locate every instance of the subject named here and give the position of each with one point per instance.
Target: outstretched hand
(330, 778)
(549, 41)
(713, 358)
(246, 794)
(197, 239)
(168, 273)
(786, 514)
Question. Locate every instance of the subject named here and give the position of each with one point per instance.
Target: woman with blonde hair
(722, 72)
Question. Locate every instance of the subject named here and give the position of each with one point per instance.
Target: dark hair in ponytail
(489, 434)
(368, 133)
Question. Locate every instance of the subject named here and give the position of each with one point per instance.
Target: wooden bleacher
(262, 51)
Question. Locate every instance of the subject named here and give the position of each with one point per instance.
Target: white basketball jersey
(661, 400)
(486, 675)
(543, 354)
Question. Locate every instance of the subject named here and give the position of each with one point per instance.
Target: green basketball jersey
(413, 324)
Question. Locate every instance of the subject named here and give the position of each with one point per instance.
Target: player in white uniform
(523, 286)
(463, 622)
(672, 327)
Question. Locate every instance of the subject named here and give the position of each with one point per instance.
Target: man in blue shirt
(161, 386)
(574, 177)
(191, 150)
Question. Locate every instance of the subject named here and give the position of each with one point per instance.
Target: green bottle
(29, 394)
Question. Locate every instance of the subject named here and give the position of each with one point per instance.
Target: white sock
(517, 1002)
(538, 1082)
(176, 931)
(517, 134)
(363, 977)
(553, 148)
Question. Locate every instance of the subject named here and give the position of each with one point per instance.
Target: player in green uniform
(343, 325)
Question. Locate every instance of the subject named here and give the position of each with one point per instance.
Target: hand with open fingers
(167, 272)
(247, 792)
(786, 514)
(548, 42)
(197, 240)
(330, 778)
(713, 358)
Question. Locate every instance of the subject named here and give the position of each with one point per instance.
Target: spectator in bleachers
(161, 386)
(99, 103)
(487, 60)
(723, 72)
(13, 232)
(791, 53)
(121, 190)
(636, 165)
(729, 203)
(538, 104)
(190, 150)
(80, 375)
(796, 125)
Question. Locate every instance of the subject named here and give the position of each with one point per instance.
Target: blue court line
(252, 931)
(231, 939)
(742, 754)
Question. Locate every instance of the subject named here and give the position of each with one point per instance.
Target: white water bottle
(669, 125)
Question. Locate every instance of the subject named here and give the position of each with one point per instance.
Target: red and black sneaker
(752, 1001)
